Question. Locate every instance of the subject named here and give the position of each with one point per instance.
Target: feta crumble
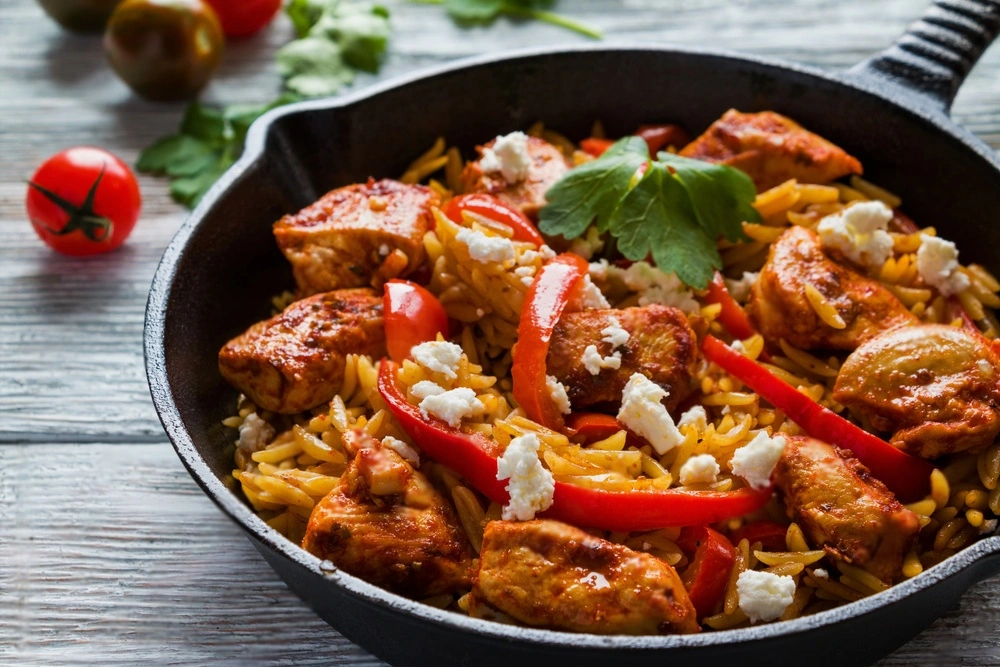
(820, 573)
(595, 363)
(508, 155)
(614, 334)
(591, 295)
(696, 416)
(740, 289)
(764, 596)
(755, 460)
(438, 356)
(255, 433)
(450, 406)
(650, 283)
(859, 232)
(644, 414)
(483, 248)
(589, 244)
(937, 263)
(531, 486)
(988, 526)
(408, 453)
(701, 468)
(557, 390)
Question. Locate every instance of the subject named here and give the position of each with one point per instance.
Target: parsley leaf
(592, 190)
(486, 11)
(724, 195)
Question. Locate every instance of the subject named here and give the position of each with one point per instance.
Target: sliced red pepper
(712, 557)
(771, 535)
(659, 137)
(494, 209)
(906, 476)
(544, 303)
(595, 146)
(412, 316)
(474, 457)
(732, 316)
(592, 426)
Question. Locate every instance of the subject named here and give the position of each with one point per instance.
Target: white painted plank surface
(109, 553)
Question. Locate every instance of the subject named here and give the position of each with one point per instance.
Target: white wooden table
(109, 553)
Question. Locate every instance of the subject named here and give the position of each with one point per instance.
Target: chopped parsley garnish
(674, 212)
(486, 11)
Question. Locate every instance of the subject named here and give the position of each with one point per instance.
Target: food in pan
(642, 386)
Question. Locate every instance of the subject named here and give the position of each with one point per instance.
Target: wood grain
(109, 553)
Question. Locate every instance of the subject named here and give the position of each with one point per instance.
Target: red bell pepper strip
(906, 476)
(595, 146)
(712, 557)
(474, 457)
(496, 210)
(659, 137)
(547, 297)
(592, 426)
(412, 316)
(771, 535)
(732, 316)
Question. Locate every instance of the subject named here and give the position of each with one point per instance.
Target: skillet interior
(218, 274)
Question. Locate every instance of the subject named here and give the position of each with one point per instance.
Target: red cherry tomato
(83, 201)
(242, 18)
(659, 137)
(412, 316)
(595, 146)
(496, 210)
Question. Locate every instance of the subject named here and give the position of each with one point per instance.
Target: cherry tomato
(659, 137)
(164, 49)
(496, 210)
(595, 146)
(242, 18)
(83, 201)
(712, 557)
(80, 15)
(412, 316)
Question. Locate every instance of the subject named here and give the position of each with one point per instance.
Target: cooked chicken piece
(843, 509)
(549, 574)
(358, 235)
(548, 165)
(771, 149)
(781, 309)
(295, 361)
(386, 524)
(935, 387)
(661, 345)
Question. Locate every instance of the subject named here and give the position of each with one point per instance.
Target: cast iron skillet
(217, 275)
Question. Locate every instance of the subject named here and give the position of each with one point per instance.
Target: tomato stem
(95, 227)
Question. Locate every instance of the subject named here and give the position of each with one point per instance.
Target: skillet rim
(908, 100)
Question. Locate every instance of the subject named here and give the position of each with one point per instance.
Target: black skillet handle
(932, 58)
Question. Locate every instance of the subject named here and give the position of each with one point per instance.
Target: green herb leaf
(656, 217)
(723, 196)
(473, 10)
(485, 11)
(305, 13)
(313, 67)
(361, 32)
(593, 190)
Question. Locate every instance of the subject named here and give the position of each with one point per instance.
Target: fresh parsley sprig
(674, 212)
(486, 11)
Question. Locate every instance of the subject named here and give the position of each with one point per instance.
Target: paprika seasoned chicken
(843, 509)
(357, 236)
(550, 574)
(661, 345)
(771, 149)
(522, 184)
(388, 525)
(782, 310)
(935, 387)
(295, 360)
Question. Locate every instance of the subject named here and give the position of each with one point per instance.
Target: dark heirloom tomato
(164, 49)
(83, 201)
(80, 15)
(242, 18)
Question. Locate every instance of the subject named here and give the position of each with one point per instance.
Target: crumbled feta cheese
(988, 526)
(508, 155)
(740, 289)
(614, 334)
(383, 250)
(546, 252)
(591, 295)
(764, 596)
(695, 416)
(738, 346)
(650, 283)
(531, 486)
(755, 460)
(644, 414)
(820, 573)
(438, 356)
(451, 406)
(527, 257)
(589, 244)
(483, 248)
(937, 263)
(255, 433)
(699, 468)
(859, 232)
(595, 363)
(558, 392)
(406, 451)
